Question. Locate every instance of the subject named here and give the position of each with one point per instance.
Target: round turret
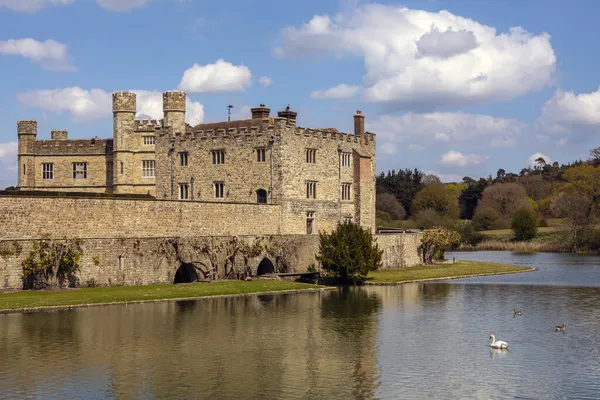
(174, 101)
(124, 102)
(27, 127)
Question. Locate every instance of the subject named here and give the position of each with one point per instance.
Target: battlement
(124, 102)
(174, 101)
(25, 127)
(147, 125)
(73, 146)
(59, 135)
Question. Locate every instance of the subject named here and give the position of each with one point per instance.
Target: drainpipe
(340, 179)
(192, 186)
(271, 141)
(172, 152)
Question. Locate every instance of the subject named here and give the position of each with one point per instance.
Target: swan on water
(498, 344)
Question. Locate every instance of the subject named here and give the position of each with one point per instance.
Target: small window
(183, 159)
(80, 170)
(24, 169)
(346, 191)
(311, 190)
(261, 155)
(311, 156)
(184, 191)
(219, 190)
(47, 171)
(310, 218)
(122, 167)
(261, 196)
(346, 159)
(148, 168)
(218, 156)
(148, 140)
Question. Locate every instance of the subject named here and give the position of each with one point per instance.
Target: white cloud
(265, 81)
(221, 76)
(31, 5)
(121, 5)
(89, 105)
(445, 177)
(458, 159)
(389, 148)
(8, 164)
(8, 152)
(341, 91)
(51, 55)
(535, 156)
(421, 60)
(568, 114)
(463, 128)
(415, 147)
(243, 112)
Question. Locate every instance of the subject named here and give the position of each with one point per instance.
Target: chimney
(260, 112)
(289, 115)
(59, 135)
(359, 127)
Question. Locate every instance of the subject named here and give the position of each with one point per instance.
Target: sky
(451, 87)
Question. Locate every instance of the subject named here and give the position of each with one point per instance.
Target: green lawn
(69, 297)
(441, 271)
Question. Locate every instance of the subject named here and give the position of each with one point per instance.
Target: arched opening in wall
(265, 267)
(186, 273)
(261, 196)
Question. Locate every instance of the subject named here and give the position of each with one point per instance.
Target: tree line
(410, 198)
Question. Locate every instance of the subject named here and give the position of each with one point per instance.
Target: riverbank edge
(28, 310)
(448, 278)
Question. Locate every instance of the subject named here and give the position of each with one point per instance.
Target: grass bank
(33, 300)
(460, 269)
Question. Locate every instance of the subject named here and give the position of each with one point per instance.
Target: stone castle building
(317, 177)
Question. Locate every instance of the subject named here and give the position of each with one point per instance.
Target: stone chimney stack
(359, 127)
(289, 115)
(59, 135)
(260, 112)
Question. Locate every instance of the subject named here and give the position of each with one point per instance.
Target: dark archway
(265, 267)
(261, 196)
(186, 273)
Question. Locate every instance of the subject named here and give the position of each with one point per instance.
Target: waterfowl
(561, 328)
(498, 344)
(515, 312)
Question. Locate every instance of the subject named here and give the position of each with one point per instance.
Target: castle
(317, 176)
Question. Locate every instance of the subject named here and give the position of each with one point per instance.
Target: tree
(504, 198)
(577, 209)
(594, 158)
(52, 263)
(535, 186)
(435, 241)
(431, 179)
(470, 196)
(437, 198)
(389, 203)
(349, 253)
(403, 184)
(524, 224)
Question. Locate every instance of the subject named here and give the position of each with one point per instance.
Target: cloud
(446, 127)
(89, 105)
(389, 148)
(121, 5)
(243, 112)
(8, 164)
(458, 159)
(535, 156)
(567, 115)
(221, 76)
(341, 91)
(445, 177)
(265, 81)
(51, 55)
(415, 147)
(418, 60)
(31, 6)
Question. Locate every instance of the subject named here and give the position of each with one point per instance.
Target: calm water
(410, 341)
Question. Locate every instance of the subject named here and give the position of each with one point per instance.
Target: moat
(427, 340)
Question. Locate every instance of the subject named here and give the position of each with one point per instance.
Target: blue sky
(452, 87)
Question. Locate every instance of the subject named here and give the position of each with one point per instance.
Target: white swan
(498, 344)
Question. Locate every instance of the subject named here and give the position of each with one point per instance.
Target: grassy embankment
(120, 294)
(460, 269)
(548, 239)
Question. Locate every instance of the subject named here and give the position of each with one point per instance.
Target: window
(121, 166)
(310, 218)
(219, 190)
(148, 168)
(184, 191)
(24, 169)
(261, 155)
(218, 156)
(80, 170)
(311, 190)
(311, 156)
(347, 220)
(346, 159)
(261, 196)
(346, 188)
(148, 140)
(183, 159)
(47, 171)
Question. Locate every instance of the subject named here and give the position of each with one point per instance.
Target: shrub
(435, 241)
(428, 218)
(484, 218)
(349, 253)
(524, 224)
(470, 236)
(52, 264)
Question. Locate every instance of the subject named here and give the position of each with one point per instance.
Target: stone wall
(401, 250)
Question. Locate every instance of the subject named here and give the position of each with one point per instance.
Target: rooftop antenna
(229, 107)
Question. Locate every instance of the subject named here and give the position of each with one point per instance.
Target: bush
(470, 236)
(484, 218)
(52, 264)
(524, 224)
(428, 218)
(349, 253)
(435, 241)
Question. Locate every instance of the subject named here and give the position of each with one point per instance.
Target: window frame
(76, 172)
(50, 171)
(184, 188)
(146, 169)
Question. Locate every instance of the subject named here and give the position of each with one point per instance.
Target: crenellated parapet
(148, 125)
(73, 146)
(174, 101)
(124, 102)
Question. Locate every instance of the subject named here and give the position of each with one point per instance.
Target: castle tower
(27, 133)
(124, 107)
(174, 110)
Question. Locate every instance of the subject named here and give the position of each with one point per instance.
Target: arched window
(261, 196)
